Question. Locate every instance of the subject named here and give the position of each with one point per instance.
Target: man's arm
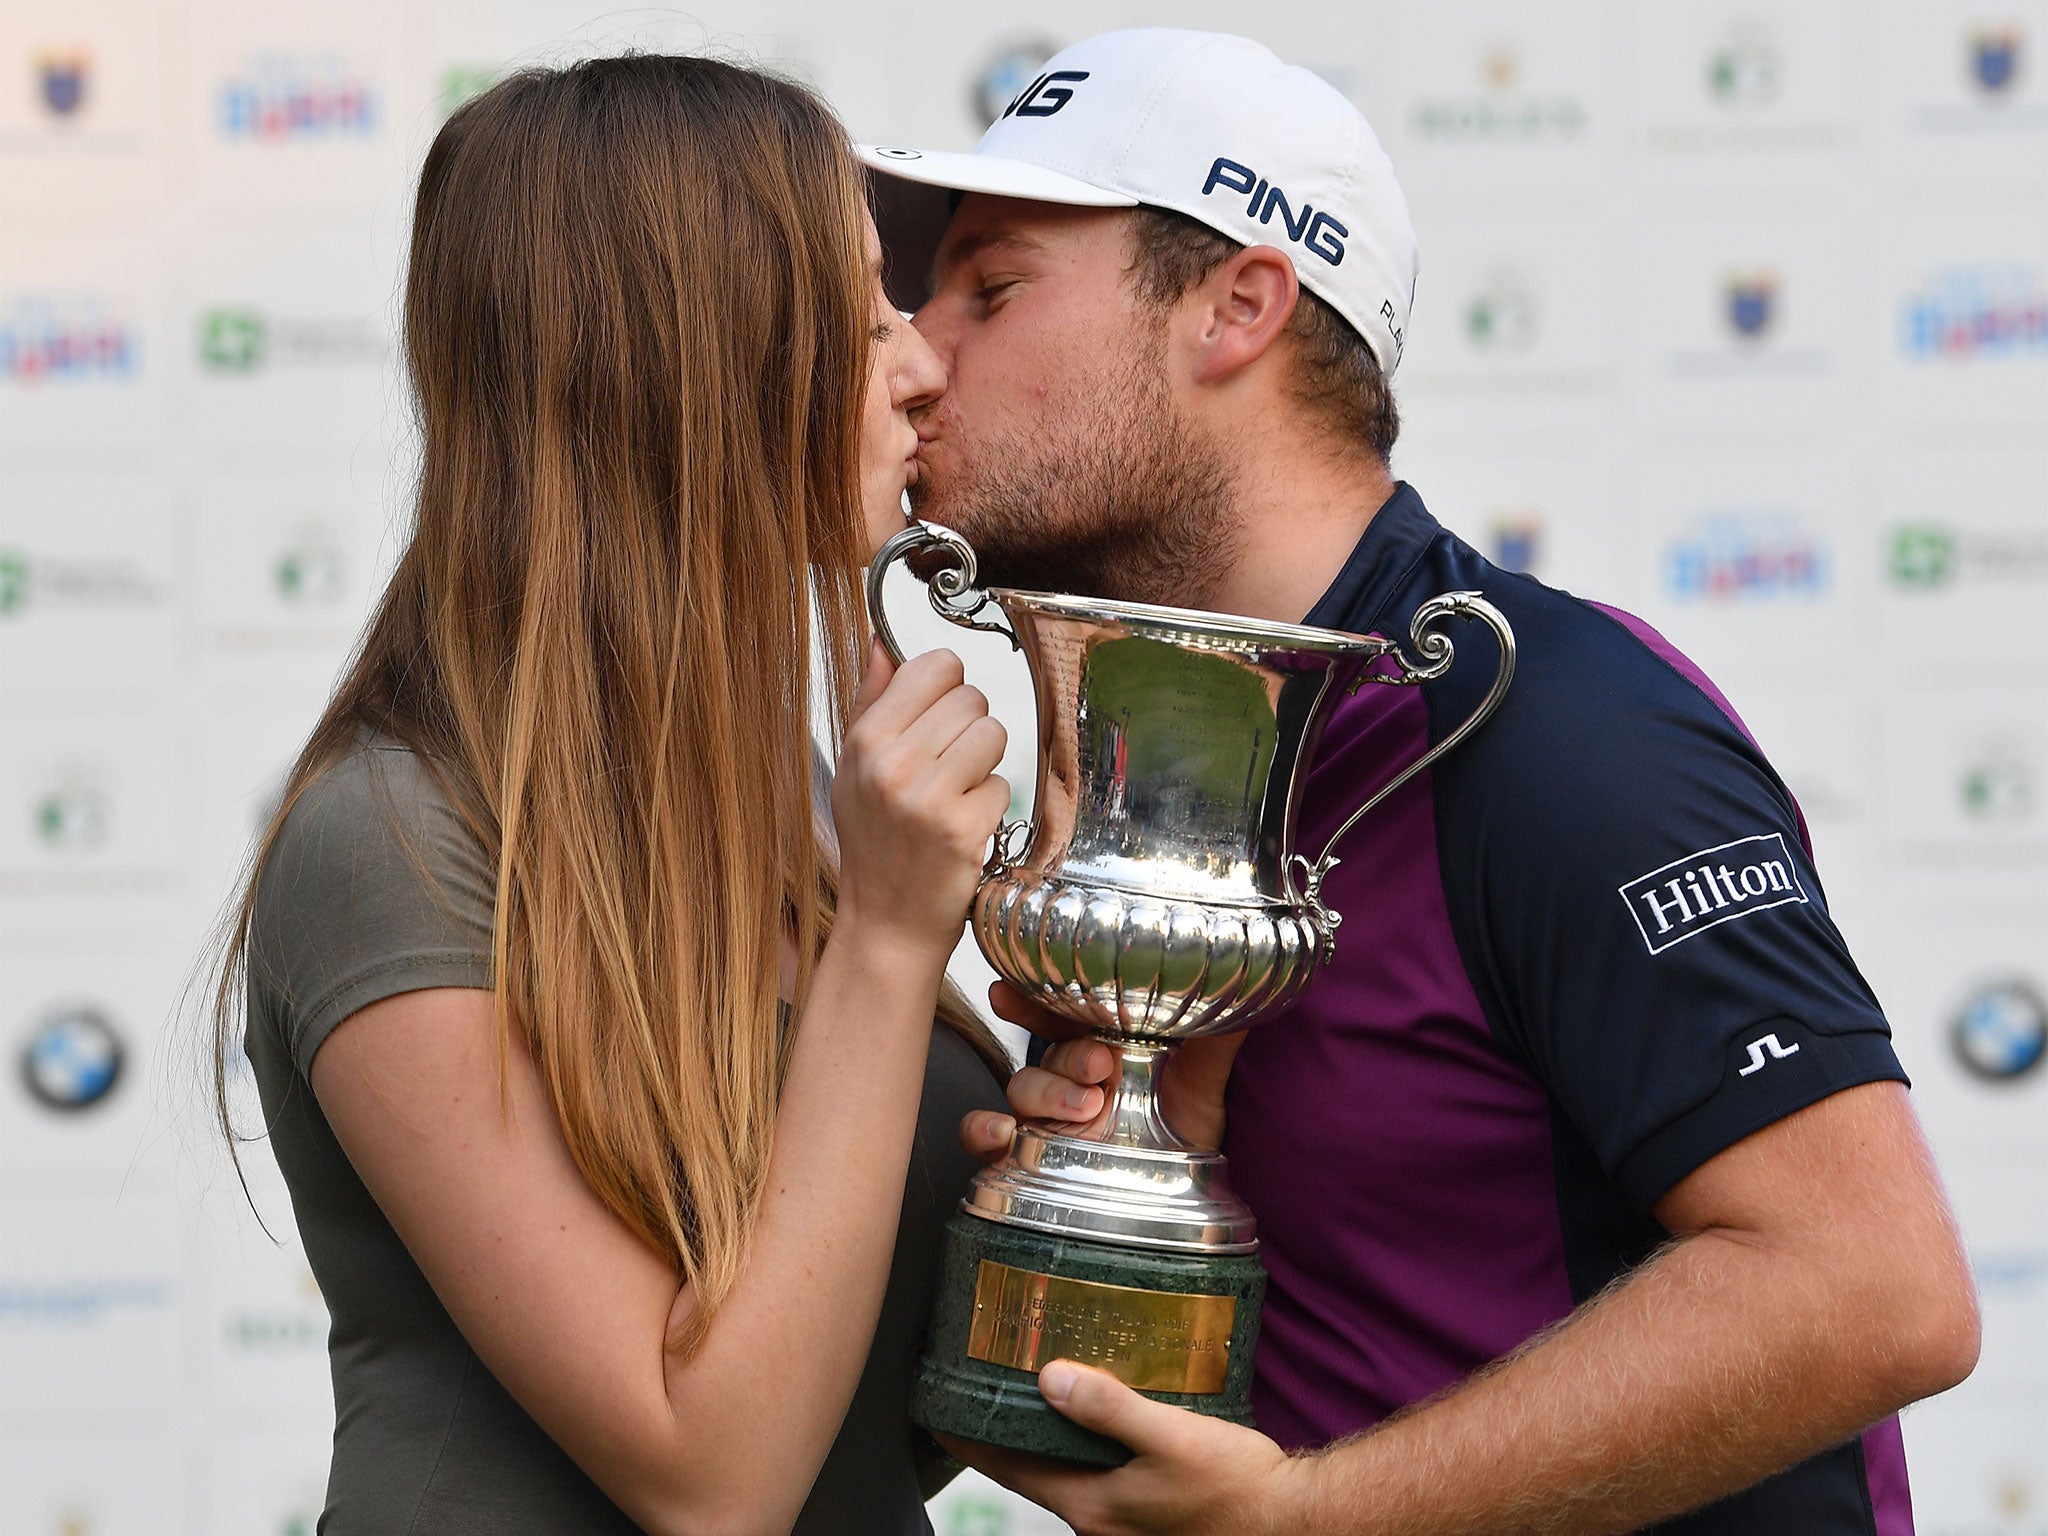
(1815, 1284)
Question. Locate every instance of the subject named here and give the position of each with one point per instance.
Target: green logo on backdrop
(232, 340)
(461, 82)
(976, 1515)
(13, 581)
(1922, 555)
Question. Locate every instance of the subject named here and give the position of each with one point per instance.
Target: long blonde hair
(636, 322)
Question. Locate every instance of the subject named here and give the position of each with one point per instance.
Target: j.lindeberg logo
(1705, 889)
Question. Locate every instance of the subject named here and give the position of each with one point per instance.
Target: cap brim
(915, 191)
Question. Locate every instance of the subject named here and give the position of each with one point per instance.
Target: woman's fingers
(874, 678)
(975, 753)
(908, 691)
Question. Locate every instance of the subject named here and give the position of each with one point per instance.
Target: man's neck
(1298, 529)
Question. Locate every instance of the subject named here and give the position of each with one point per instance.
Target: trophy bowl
(1154, 896)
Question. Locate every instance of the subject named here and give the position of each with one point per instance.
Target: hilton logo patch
(1714, 886)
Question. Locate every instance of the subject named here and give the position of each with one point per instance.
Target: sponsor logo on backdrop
(2000, 1033)
(1976, 312)
(277, 98)
(35, 583)
(1007, 75)
(280, 1330)
(13, 581)
(310, 570)
(1752, 89)
(463, 82)
(239, 340)
(82, 1302)
(1752, 303)
(72, 1059)
(1502, 109)
(2011, 1273)
(1994, 56)
(1932, 556)
(1739, 556)
(63, 78)
(1750, 310)
(1502, 316)
(1516, 540)
(66, 338)
(72, 812)
(1999, 783)
(1744, 70)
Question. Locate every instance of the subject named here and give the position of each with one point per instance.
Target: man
(1585, 1173)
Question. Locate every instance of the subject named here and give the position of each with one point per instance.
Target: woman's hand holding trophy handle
(1067, 1092)
(916, 799)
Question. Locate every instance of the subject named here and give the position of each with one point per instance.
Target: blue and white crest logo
(1995, 59)
(1752, 303)
(2001, 1032)
(1007, 76)
(60, 80)
(72, 1060)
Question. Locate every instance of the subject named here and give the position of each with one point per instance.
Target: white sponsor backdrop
(1735, 314)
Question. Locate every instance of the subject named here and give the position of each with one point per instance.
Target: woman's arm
(559, 1298)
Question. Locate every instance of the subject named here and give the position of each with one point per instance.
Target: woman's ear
(1239, 309)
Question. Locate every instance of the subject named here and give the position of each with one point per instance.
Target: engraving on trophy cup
(1155, 896)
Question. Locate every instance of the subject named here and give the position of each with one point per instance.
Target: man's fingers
(1081, 1061)
(985, 1135)
(1036, 1094)
(1097, 1400)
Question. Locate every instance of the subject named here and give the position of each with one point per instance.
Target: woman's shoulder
(375, 883)
(376, 800)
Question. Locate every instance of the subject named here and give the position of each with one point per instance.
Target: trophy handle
(1437, 653)
(954, 596)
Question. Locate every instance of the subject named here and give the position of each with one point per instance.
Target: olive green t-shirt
(350, 910)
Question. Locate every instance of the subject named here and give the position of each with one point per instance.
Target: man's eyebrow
(970, 246)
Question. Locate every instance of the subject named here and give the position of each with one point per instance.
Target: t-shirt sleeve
(1652, 927)
(374, 886)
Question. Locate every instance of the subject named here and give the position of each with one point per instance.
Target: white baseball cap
(1201, 123)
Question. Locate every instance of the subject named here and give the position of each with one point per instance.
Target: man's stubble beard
(1115, 498)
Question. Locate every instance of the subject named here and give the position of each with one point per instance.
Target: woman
(606, 1225)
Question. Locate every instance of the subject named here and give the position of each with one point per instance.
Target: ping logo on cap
(1313, 230)
(1045, 95)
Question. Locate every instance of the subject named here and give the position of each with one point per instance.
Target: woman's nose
(920, 377)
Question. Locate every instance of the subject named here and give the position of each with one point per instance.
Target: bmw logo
(72, 1060)
(2002, 1031)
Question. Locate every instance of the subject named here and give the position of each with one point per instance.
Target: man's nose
(930, 323)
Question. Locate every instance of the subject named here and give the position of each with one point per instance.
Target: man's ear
(1239, 310)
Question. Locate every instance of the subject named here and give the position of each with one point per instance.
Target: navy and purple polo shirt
(1583, 954)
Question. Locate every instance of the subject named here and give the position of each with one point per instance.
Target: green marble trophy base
(1012, 1294)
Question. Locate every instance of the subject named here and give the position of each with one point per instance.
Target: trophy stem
(1136, 1117)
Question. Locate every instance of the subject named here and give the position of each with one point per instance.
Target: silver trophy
(1154, 896)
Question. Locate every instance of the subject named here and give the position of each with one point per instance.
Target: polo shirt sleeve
(374, 886)
(1647, 917)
